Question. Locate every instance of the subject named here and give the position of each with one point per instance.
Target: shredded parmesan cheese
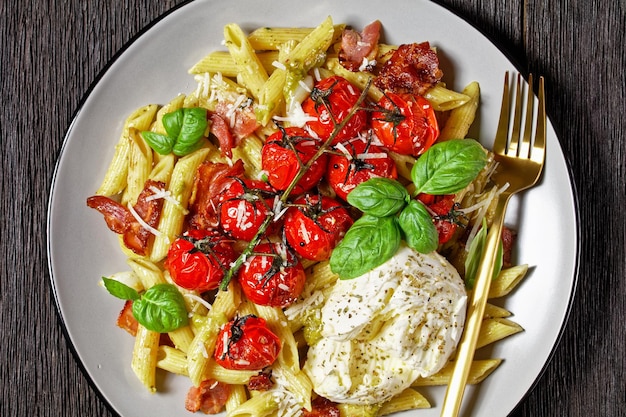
(199, 300)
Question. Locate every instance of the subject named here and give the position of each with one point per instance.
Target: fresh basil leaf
(119, 289)
(448, 167)
(379, 197)
(173, 122)
(370, 242)
(475, 253)
(419, 230)
(161, 144)
(193, 128)
(161, 309)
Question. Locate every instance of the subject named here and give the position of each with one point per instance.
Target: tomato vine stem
(248, 250)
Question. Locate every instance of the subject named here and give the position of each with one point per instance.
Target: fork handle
(475, 312)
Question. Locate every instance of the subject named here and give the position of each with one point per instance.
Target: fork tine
(517, 119)
(538, 151)
(502, 131)
(524, 147)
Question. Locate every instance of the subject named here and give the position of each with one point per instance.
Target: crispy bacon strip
(211, 180)
(210, 397)
(322, 407)
(126, 320)
(413, 69)
(508, 241)
(230, 125)
(260, 382)
(358, 49)
(121, 221)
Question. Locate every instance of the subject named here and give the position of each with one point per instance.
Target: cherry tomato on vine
(272, 276)
(330, 102)
(197, 260)
(286, 152)
(365, 161)
(246, 343)
(244, 207)
(314, 226)
(405, 123)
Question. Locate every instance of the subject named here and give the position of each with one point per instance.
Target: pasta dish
(302, 229)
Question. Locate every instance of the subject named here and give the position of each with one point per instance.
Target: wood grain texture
(51, 52)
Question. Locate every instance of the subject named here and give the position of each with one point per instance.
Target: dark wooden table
(52, 51)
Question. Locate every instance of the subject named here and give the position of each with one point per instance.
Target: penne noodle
(408, 399)
(479, 370)
(145, 352)
(462, 116)
(116, 177)
(444, 99)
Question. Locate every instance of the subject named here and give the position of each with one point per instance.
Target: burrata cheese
(384, 329)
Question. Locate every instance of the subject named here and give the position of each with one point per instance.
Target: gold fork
(520, 162)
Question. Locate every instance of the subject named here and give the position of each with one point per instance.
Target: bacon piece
(126, 320)
(220, 129)
(413, 69)
(359, 49)
(260, 382)
(322, 407)
(241, 120)
(211, 180)
(210, 397)
(231, 124)
(508, 240)
(121, 221)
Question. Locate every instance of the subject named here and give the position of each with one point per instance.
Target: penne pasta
(139, 166)
(116, 177)
(173, 213)
(408, 399)
(444, 99)
(479, 370)
(145, 352)
(461, 116)
(250, 68)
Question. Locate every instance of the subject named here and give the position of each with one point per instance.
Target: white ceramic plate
(153, 69)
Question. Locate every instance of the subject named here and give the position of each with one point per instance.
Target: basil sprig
(369, 240)
(448, 167)
(379, 197)
(390, 213)
(185, 128)
(161, 308)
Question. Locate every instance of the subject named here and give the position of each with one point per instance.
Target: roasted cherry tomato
(197, 260)
(244, 207)
(405, 123)
(365, 161)
(246, 343)
(330, 102)
(314, 226)
(445, 218)
(272, 276)
(288, 150)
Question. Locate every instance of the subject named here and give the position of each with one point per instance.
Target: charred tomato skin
(315, 224)
(405, 123)
(283, 155)
(197, 260)
(344, 173)
(330, 102)
(244, 206)
(246, 343)
(272, 276)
